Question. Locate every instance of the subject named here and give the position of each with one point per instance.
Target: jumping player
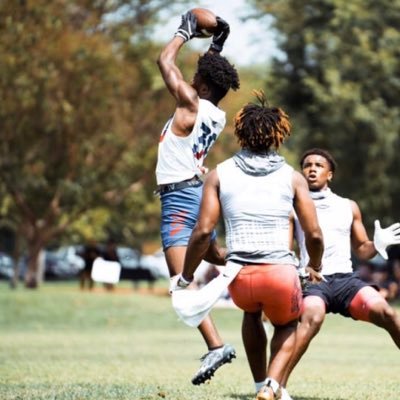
(342, 291)
(184, 143)
(256, 190)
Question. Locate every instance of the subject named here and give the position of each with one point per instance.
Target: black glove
(187, 28)
(220, 35)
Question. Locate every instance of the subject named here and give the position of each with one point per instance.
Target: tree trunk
(16, 257)
(36, 262)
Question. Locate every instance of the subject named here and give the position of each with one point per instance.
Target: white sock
(274, 385)
(259, 385)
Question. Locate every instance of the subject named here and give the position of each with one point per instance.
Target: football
(206, 21)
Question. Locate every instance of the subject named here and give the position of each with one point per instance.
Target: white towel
(106, 271)
(192, 306)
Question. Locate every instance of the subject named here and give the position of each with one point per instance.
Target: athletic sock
(273, 384)
(259, 385)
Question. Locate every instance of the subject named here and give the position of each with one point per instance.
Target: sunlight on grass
(61, 343)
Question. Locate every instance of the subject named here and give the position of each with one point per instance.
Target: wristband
(184, 281)
(182, 34)
(215, 47)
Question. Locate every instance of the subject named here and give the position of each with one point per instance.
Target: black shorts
(337, 292)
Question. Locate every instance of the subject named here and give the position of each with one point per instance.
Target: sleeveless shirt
(256, 213)
(180, 158)
(335, 218)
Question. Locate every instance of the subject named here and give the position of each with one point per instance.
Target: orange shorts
(273, 288)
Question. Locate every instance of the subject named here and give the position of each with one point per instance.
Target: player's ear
(330, 176)
(204, 91)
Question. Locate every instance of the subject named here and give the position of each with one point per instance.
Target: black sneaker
(212, 361)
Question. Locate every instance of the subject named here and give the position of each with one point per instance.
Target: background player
(342, 291)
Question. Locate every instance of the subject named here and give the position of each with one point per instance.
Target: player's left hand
(384, 237)
(220, 35)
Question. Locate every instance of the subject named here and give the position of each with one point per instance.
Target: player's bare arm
(199, 242)
(362, 246)
(186, 96)
(306, 213)
(215, 254)
(183, 92)
(292, 232)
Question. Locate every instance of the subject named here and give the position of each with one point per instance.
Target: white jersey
(256, 212)
(335, 218)
(181, 158)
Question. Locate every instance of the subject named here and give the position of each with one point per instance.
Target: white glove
(177, 282)
(386, 237)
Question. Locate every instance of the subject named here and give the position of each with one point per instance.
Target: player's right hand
(221, 34)
(187, 28)
(314, 276)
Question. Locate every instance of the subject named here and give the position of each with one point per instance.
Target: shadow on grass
(251, 396)
(242, 396)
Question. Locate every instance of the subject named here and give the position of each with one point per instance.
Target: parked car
(128, 257)
(156, 263)
(131, 268)
(64, 262)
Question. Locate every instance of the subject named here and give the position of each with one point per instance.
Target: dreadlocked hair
(218, 73)
(320, 152)
(260, 127)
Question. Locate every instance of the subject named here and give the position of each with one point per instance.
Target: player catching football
(184, 143)
(342, 291)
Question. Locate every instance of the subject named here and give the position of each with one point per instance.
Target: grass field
(60, 343)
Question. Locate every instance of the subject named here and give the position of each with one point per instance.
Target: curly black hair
(320, 152)
(259, 127)
(217, 72)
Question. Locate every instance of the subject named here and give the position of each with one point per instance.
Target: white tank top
(256, 212)
(180, 158)
(335, 218)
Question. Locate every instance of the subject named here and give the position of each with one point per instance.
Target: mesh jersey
(180, 158)
(335, 218)
(256, 212)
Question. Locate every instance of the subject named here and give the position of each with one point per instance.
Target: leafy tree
(340, 78)
(82, 107)
(75, 93)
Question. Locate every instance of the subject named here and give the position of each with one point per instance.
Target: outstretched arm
(209, 214)
(362, 246)
(186, 96)
(183, 92)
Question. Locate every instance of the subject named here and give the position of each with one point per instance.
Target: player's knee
(313, 313)
(316, 321)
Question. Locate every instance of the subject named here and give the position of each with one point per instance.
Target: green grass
(60, 343)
